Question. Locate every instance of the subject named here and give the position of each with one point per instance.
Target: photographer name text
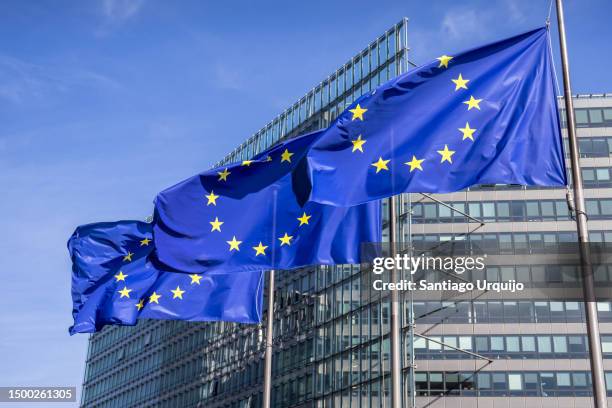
(448, 285)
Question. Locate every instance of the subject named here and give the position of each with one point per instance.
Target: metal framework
(411, 318)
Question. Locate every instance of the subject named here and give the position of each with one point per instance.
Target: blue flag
(485, 116)
(117, 280)
(253, 215)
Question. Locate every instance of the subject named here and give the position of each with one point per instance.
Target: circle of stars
(260, 248)
(125, 293)
(416, 163)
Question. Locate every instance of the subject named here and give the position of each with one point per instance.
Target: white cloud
(458, 24)
(516, 11)
(461, 23)
(115, 13)
(461, 27)
(121, 10)
(226, 77)
(23, 82)
(20, 80)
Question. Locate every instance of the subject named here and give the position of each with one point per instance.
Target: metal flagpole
(267, 386)
(592, 321)
(396, 355)
(411, 321)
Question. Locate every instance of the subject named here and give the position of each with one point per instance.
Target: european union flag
(253, 215)
(485, 116)
(117, 280)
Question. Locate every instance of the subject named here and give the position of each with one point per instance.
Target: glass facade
(331, 347)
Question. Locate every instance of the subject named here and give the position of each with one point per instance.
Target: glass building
(331, 343)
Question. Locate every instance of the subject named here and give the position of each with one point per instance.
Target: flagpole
(267, 386)
(592, 320)
(396, 355)
(396, 327)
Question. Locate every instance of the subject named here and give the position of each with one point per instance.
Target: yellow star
(286, 239)
(473, 103)
(145, 242)
(223, 175)
(358, 144)
(234, 244)
(216, 224)
(447, 155)
(269, 158)
(304, 219)
(140, 304)
(128, 257)
(444, 61)
(260, 249)
(380, 164)
(358, 112)
(286, 156)
(468, 133)
(154, 298)
(415, 163)
(195, 278)
(460, 83)
(212, 198)
(247, 162)
(120, 277)
(178, 293)
(125, 292)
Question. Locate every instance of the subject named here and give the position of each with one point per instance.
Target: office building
(331, 344)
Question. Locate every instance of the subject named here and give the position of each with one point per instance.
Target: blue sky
(105, 103)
